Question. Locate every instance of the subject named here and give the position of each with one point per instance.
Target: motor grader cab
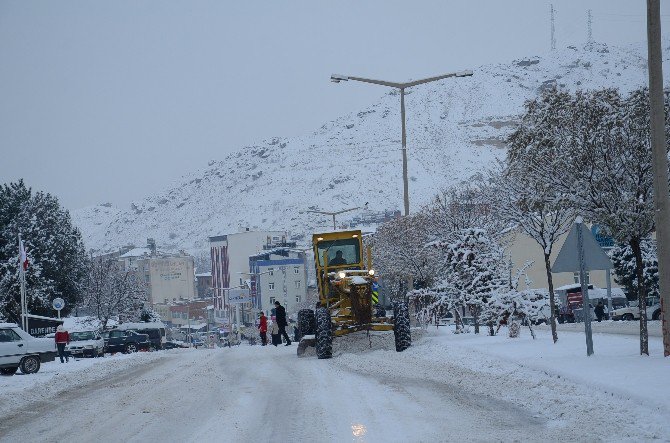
(345, 277)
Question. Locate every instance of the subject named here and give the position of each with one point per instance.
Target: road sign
(580, 253)
(58, 304)
(375, 292)
(605, 241)
(568, 257)
(236, 296)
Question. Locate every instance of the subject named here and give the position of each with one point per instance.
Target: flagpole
(22, 278)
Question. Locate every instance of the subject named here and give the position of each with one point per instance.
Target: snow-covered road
(263, 394)
(445, 388)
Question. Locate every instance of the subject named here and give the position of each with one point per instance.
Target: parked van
(155, 331)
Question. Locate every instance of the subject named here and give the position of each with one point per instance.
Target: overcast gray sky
(111, 101)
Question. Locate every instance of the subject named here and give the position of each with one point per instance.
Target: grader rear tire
(401, 330)
(306, 323)
(324, 334)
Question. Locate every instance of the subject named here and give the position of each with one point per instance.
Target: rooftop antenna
(553, 30)
(589, 27)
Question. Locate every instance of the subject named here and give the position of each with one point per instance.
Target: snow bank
(614, 395)
(55, 377)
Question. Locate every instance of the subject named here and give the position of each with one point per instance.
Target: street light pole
(365, 206)
(336, 78)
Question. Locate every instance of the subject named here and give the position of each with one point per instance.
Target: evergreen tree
(475, 270)
(625, 270)
(149, 315)
(54, 247)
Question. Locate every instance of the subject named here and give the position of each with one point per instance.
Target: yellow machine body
(345, 282)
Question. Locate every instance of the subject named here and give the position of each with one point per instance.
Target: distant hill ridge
(455, 129)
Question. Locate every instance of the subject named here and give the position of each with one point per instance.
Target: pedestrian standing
(62, 339)
(263, 329)
(599, 310)
(274, 332)
(280, 313)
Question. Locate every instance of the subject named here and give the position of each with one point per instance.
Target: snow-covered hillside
(456, 129)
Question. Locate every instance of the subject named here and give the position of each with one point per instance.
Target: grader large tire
(324, 334)
(403, 337)
(306, 323)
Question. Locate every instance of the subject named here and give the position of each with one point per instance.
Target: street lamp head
(466, 73)
(336, 78)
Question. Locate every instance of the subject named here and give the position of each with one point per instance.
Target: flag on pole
(23, 257)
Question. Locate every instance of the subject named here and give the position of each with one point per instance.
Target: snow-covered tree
(54, 247)
(474, 270)
(625, 269)
(147, 314)
(111, 292)
(505, 305)
(604, 157)
(528, 200)
(463, 206)
(401, 252)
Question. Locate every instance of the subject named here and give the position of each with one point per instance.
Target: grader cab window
(340, 252)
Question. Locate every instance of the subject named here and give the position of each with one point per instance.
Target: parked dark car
(125, 341)
(155, 331)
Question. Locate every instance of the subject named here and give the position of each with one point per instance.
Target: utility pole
(659, 163)
(553, 30)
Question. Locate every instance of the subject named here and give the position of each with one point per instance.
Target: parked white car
(632, 312)
(86, 344)
(18, 349)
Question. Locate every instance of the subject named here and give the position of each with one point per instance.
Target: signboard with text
(236, 296)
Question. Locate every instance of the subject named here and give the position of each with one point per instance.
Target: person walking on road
(280, 314)
(62, 339)
(263, 329)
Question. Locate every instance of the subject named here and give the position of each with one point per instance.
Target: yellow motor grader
(345, 296)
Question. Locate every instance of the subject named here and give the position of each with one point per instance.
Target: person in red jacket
(263, 328)
(62, 338)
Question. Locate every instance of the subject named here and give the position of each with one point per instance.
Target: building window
(297, 299)
(575, 275)
(271, 271)
(271, 285)
(272, 301)
(296, 270)
(297, 284)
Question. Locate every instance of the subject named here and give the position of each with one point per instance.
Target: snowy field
(446, 387)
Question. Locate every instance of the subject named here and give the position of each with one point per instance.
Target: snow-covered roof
(571, 286)
(601, 292)
(194, 326)
(8, 325)
(141, 325)
(43, 317)
(75, 324)
(136, 252)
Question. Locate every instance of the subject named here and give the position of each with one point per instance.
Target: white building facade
(279, 275)
(230, 265)
(168, 277)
